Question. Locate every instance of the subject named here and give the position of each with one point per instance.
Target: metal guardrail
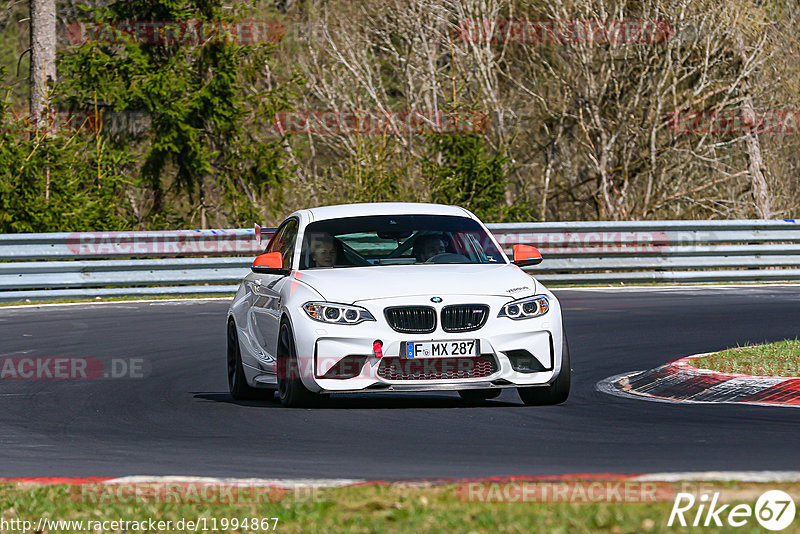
(100, 264)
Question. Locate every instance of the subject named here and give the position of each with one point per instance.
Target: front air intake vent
(437, 368)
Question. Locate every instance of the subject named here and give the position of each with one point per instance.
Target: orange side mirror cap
(269, 262)
(525, 255)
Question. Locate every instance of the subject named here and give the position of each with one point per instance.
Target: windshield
(396, 240)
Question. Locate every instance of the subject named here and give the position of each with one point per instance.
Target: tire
(479, 395)
(555, 393)
(291, 391)
(237, 383)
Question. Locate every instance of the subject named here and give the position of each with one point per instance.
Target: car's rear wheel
(237, 383)
(291, 391)
(479, 395)
(555, 393)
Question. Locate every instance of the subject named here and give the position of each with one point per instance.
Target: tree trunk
(761, 196)
(758, 170)
(43, 57)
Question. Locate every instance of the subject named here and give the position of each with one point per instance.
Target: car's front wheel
(237, 383)
(555, 393)
(291, 391)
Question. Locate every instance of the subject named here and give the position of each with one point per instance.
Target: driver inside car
(428, 246)
(324, 250)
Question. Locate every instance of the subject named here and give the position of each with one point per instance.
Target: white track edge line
(300, 483)
(106, 302)
(286, 483)
(555, 288)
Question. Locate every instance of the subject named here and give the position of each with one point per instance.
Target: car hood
(353, 284)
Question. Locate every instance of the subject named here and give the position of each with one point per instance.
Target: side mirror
(525, 255)
(269, 263)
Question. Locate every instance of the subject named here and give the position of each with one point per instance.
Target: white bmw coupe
(394, 297)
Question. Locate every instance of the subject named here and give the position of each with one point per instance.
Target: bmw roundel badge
(436, 299)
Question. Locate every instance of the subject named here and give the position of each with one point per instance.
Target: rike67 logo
(774, 510)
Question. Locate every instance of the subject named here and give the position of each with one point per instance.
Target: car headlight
(326, 312)
(526, 308)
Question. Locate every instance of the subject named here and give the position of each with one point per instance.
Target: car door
(265, 313)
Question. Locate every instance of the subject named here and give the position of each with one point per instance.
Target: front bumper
(322, 347)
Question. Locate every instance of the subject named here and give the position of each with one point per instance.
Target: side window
(287, 241)
(272, 246)
(283, 241)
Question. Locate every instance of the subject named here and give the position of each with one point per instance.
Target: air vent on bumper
(523, 361)
(437, 368)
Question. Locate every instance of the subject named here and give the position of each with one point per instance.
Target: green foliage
(774, 359)
(581, 129)
(461, 170)
(206, 102)
(14, 57)
(56, 182)
(370, 183)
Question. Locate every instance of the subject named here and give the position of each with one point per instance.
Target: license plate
(442, 349)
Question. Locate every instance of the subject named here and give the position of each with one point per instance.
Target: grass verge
(774, 359)
(390, 508)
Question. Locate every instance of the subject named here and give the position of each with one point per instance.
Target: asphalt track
(180, 420)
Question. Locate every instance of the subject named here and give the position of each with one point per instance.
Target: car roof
(384, 208)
